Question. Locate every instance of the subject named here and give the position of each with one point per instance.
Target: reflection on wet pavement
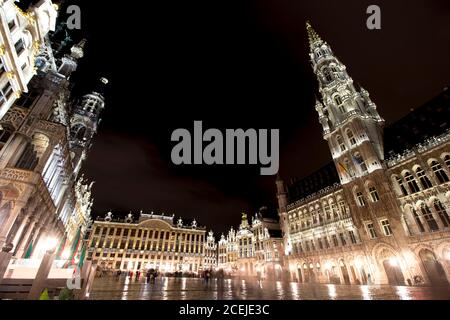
(110, 288)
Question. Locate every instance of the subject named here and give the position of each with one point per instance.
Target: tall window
(360, 199)
(386, 227)
(374, 194)
(342, 208)
(5, 133)
(2, 67)
(335, 240)
(401, 185)
(418, 221)
(351, 137)
(327, 75)
(424, 181)
(412, 183)
(352, 236)
(338, 100)
(342, 237)
(5, 93)
(443, 215)
(320, 243)
(439, 172)
(426, 213)
(327, 244)
(19, 46)
(360, 161)
(447, 161)
(371, 231)
(328, 212)
(341, 143)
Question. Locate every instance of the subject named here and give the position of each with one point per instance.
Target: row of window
(425, 213)
(154, 245)
(385, 228)
(317, 217)
(143, 233)
(407, 184)
(350, 138)
(373, 195)
(324, 243)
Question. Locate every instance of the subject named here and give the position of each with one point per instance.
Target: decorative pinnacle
(313, 36)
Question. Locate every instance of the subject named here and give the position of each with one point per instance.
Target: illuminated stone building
(152, 242)
(44, 139)
(210, 261)
(256, 248)
(22, 38)
(379, 212)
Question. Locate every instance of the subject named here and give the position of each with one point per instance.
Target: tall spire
(313, 36)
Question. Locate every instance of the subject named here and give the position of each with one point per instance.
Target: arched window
(439, 172)
(338, 101)
(424, 181)
(360, 161)
(351, 137)
(447, 161)
(327, 75)
(78, 131)
(418, 221)
(342, 208)
(426, 213)
(443, 215)
(360, 199)
(374, 194)
(412, 183)
(327, 212)
(341, 143)
(401, 185)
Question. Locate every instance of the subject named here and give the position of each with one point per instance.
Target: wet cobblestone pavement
(110, 288)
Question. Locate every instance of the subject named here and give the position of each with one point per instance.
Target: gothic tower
(83, 125)
(354, 132)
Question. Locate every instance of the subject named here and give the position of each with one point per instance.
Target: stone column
(5, 229)
(41, 276)
(5, 258)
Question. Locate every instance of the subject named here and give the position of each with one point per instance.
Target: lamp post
(44, 269)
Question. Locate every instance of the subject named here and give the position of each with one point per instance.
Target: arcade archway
(433, 268)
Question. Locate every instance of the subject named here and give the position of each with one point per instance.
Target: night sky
(238, 64)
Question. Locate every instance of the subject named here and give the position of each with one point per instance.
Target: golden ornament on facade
(10, 74)
(2, 50)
